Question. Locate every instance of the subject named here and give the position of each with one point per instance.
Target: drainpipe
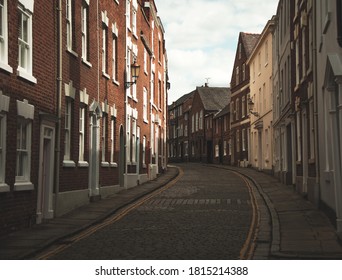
(315, 88)
(126, 102)
(59, 101)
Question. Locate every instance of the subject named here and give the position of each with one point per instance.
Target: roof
(249, 41)
(214, 98)
(181, 100)
(223, 112)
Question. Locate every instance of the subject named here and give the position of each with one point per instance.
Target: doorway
(45, 209)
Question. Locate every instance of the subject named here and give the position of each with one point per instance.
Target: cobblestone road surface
(205, 215)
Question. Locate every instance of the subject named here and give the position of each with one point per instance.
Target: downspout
(315, 88)
(59, 102)
(126, 102)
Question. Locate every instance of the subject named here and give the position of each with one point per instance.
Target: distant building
(179, 123)
(260, 63)
(206, 103)
(240, 94)
(191, 118)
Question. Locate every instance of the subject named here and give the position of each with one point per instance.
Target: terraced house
(83, 96)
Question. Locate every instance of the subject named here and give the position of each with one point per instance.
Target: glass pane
(1, 18)
(18, 135)
(1, 133)
(22, 55)
(20, 164)
(25, 28)
(24, 137)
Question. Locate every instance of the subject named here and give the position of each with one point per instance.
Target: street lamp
(135, 70)
(250, 108)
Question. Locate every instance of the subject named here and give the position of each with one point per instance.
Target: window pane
(1, 133)
(1, 17)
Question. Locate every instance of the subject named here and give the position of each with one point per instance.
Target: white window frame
(128, 14)
(25, 46)
(104, 50)
(25, 118)
(145, 103)
(67, 129)
(134, 141)
(134, 21)
(243, 136)
(4, 38)
(114, 58)
(82, 121)
(23, 150)
(144, 151)
(3, 129)
(103, 139)
(69, 25)
(112, 141)
(85, 31)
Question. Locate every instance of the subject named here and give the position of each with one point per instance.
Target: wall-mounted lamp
(250, 108)
(135, 71)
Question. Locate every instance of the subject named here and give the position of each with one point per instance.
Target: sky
(201, 38)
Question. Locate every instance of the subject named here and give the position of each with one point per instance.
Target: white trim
(23, 186)
(28, 4)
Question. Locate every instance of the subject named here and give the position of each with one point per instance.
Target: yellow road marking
(116, 217)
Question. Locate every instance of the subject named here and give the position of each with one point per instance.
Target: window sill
(4, 188)
(104, 164)
(83, 164)
(105, 75)
(69, 163)
(72, 52)
(6, 67)
(113, 164)
(26, 76)
(23, 186)
(87, 63)
(115, 82)
(145, 121)
(117, 1)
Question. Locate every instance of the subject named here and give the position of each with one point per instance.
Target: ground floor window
(23, 150)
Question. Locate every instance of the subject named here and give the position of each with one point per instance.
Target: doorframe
(45, 208)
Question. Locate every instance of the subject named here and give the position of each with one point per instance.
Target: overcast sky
(201, 38)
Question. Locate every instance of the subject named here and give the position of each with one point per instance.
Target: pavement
(24, 244)
(289, 227)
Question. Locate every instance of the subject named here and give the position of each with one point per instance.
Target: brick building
(222, 137)
(74, 124)
(207, 102)
(240, 93)
(179, 123)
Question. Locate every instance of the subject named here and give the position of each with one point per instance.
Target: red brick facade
(87, 133)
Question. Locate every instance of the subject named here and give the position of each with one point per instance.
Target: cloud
(201, 38)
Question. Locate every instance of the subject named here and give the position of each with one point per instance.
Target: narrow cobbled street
(205, 215)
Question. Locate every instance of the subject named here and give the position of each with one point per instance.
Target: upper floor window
(25, 43)
(70, 23)
(237, 73)
(85, 30)
(105, 21)
(115, 53)
(4, 37)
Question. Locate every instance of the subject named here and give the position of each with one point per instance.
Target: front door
(45, 209)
